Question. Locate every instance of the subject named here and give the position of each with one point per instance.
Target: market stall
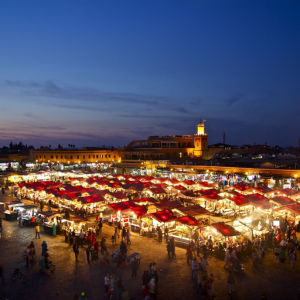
(11, 212)
(51, 221)
(26, 213)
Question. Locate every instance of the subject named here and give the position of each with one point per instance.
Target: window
(101, 156)
(36, 156)
(51, 156)
(83, 156)
(97, 156)
(71, 156)
(109, 156)
(105, 155)
(66, 156)
(40, 156)
(179, 145)
(56, 156)
(114, 156)
(61, 157)
(189, 145)
(183, 144)
(93, 156)
(77, 156)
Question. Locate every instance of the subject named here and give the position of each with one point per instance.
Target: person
(231, 282)
(103, 246)
(211, 289)
(194, 267)
(199, 282)
(119, 287)
(123, 248)
(128, 235)
(106, 283)
(166, 232)
(172, 243)
(76, 250)
(96, 246)
(81, 237)
(254, 260)
(146, 278)
(189, 253)
(37, 231)
(134, 266)
(276, 253)
(282, 254)
(31, 245)
(292, 256)
(169, 249)
(151, 287)
(27, 255)
(20, 221)
(44, 247)
(82, 296)
(88, 253)
(112, 285)
(159, 232)
(1, 273)
(42, 262)
(123, 233)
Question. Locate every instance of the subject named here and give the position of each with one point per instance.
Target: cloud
(50, 89)
(234, 99)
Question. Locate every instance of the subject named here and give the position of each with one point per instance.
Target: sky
(94, 73)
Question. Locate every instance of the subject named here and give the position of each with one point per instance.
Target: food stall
(27, 212)
(222, 232)
(185, 227)
(159, 218)
(76, 224)
(51, 221)
(11, 212)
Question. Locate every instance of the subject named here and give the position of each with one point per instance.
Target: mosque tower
(200, 139)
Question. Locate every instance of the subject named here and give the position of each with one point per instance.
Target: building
(168, 146)
(66, 156)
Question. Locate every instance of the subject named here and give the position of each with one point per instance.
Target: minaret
(200, 139)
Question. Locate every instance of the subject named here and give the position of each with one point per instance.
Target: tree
(11, 145)
(49, 146)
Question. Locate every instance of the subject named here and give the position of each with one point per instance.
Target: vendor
(32, 219)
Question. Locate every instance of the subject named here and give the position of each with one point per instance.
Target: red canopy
(180, 187)
(91, 199)
(188, 220)
(225, 230)
(145, 200)
(163, 216)
(240, 200)
(282, 201)
(258, 200)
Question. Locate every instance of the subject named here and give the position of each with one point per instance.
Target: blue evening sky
(107, 72)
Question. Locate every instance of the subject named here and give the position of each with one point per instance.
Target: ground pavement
(71, 277)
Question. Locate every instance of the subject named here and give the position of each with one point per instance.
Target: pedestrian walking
(227, 258)
(231, 283)
(166, 232)
(169, 249)
(134, 266)
(106, 283)
(128, 235)
(282, 255)
(111, 285)
(81, 237)
(123, 233)
(119, 287)
(37, 231)
(76, 250)
(194, 268)
(189, 253)
(44, 247)
(88, 253)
